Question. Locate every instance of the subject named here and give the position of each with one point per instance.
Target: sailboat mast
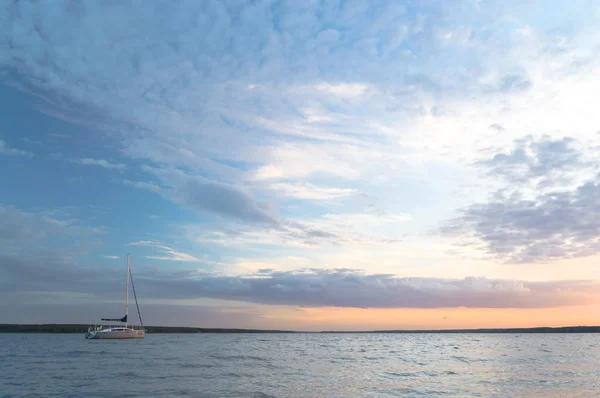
(127, 292)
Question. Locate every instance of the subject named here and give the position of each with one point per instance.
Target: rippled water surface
(301, 365)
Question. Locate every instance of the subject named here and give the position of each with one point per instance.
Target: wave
(237, 357)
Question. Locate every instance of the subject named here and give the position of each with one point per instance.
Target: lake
(301, 365)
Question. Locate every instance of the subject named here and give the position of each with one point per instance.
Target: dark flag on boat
(124, 319)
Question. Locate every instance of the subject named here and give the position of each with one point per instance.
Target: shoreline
(80, 328)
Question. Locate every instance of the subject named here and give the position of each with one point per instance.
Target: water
(301, 365)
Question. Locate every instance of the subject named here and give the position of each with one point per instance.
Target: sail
(124, 319)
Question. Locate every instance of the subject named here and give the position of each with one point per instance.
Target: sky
(314, 165)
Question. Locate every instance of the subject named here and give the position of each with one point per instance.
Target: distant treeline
(66, 328)
(565, 329)
(69, 328)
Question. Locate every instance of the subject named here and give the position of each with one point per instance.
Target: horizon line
(194, 329)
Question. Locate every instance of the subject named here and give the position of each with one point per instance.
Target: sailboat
(119, 332)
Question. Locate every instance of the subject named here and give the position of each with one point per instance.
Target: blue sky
(349, 145)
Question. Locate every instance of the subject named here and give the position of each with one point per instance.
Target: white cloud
(150, 186)
(169, 253)
(268, 172)
(343, 89)
(310, 191)
(302, 160)
(174, 256)
(7, 150)
(316, 114)
(112, 257)
(102, 163)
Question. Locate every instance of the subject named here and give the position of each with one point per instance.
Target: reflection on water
(302, 365)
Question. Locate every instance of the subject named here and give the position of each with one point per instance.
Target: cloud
(7, 150)
(19, 226)
(102, 163)
(316, 114)
(58, 135)
(222, 199)
(169, 253)
(112, 257)
(304, 287)
(289, 234)
(32, 142)
(498, 127)
(511, 83)
(208, 196)
(310, 191)
(297, 80)
(268, 172)
(205, 107)
(543, 213)
(305, 160)
(341, 230)
(343, 89)
(550, 226)
(317, 93)
(150, 186)
(532, 159)
(319, 288)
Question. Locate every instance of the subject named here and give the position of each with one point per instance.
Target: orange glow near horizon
(355, 319)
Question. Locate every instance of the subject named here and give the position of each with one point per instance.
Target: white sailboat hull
(119, 334)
